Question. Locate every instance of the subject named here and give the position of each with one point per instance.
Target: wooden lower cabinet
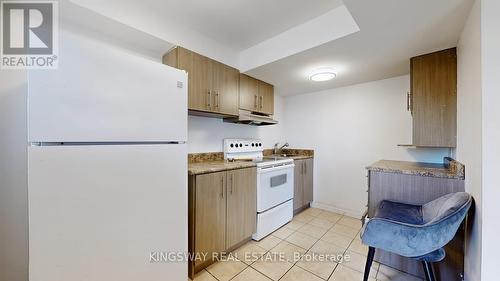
(308, 180)
(298, 185)
(241, 209)
(222, 213)
(210, 213)
(417, 190)
(303, 183)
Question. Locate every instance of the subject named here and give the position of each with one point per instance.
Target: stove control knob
(232, 145)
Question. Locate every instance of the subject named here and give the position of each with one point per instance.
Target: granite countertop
(300, 157)
(449, 169)
(211, 162)
(198, 168)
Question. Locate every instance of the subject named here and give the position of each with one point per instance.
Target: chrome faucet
(277, 150)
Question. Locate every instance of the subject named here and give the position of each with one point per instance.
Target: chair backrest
(445, 206)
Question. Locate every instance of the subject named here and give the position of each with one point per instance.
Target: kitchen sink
(283, 155)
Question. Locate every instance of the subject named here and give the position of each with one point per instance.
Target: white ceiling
(391, 31)
(212, 27)
(240, 24)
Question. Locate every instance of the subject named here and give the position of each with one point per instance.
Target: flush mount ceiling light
(322, 74)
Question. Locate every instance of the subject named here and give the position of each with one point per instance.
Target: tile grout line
(250, 265)
(345, 251)
(293, 231)
(318, 240)
(295, 263)
(328, 229)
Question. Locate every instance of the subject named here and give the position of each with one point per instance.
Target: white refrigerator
(107, 178)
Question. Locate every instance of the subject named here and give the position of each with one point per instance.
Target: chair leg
(429, 271)
(369, 261)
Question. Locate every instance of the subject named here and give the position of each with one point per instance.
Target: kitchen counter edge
(450, 168)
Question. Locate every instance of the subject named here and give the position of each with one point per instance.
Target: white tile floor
(311, 233)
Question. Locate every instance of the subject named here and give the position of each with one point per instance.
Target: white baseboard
(326, 207)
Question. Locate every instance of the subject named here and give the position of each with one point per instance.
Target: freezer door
(101, 93)
(103, 212)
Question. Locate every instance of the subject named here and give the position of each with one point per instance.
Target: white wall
(13, 177)
(490, 46)
(350, 128)
(469, 129)
(136, 15)
(206, 134)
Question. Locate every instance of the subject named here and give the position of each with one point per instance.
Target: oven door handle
(278, 168)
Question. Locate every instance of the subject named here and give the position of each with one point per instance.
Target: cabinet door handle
(216, 100)
(209, 99)
(232, 184)
(255, 102)
(222, 188)
(261, 101)
(409, 102)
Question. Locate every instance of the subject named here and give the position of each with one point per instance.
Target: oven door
(274, 186)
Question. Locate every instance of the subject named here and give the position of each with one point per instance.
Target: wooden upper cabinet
(249, 93)
(241, 205)
(213, 86)
(433, 99)
(256, 95)
(199, 79)
(266, 92)
(225, 88)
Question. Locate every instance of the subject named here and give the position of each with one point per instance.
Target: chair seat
(410, 214)
(400, 212)
(417, 232)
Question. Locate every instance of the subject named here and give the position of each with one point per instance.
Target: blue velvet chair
(418, 232)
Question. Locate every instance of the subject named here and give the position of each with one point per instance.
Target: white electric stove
(274, 184)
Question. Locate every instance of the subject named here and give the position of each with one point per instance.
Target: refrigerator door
(103, 212)
(101, 93)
